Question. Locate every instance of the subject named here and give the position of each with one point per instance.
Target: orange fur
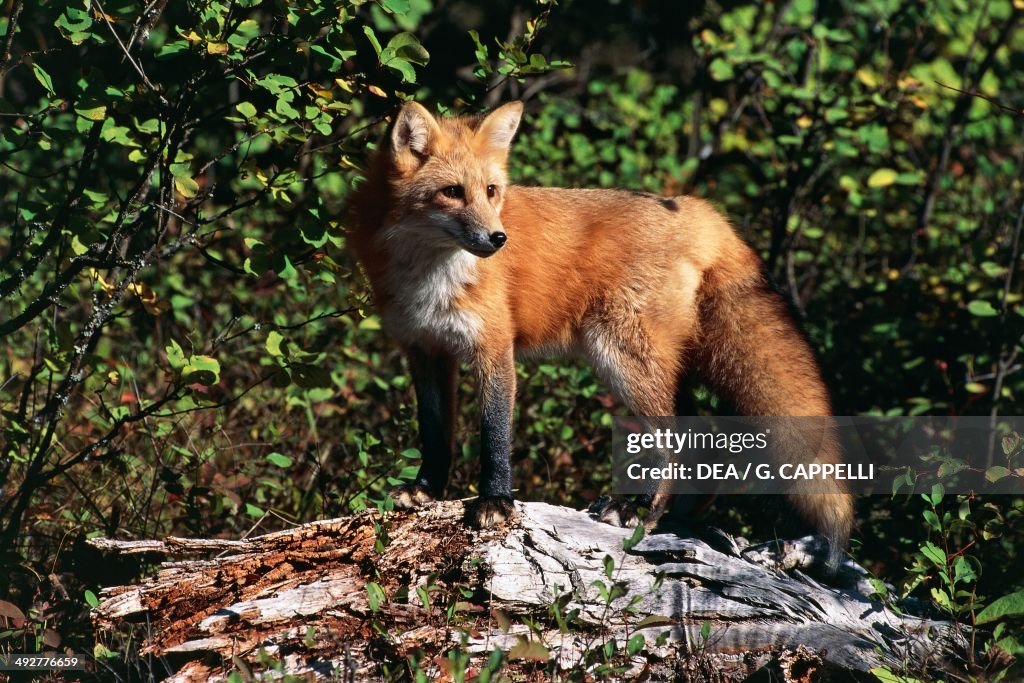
(644, 287)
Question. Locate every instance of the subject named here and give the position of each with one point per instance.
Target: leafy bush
(181, 319)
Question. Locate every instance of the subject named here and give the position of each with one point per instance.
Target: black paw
(619, 511)
(488, 511)
(411, 496)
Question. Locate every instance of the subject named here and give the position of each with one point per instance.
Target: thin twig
(12, 25)
(127, 54)
(221, 404)
(294, 326)
(990, 100)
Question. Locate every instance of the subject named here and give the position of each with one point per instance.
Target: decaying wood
(298, 600)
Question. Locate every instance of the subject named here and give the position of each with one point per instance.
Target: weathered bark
(300, 600)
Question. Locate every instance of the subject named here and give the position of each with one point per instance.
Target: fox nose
(498, 239)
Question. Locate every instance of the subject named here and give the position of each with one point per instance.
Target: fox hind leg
(644, 377)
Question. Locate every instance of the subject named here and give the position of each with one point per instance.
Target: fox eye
(453, 192)
(492, 191)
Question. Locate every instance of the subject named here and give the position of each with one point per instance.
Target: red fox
(467, 267)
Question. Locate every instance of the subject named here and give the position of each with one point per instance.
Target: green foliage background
(188, 346)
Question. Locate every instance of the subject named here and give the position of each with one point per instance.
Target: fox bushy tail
(754, 354)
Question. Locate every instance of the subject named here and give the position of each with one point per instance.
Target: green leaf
(941, 598)
(994, 474)
(370, 322)
(982, 309)
(333, 62)
(1011, 605)
(375, 595)
(287, 270)
(721, 70)
(635, 644)
(373, 40)
(637, 536)
(882, 177)
(43, 78)
(934, 553)
(284, 107)
(962, 570)
(73, 24)
(148, 127)
(1010, 645)
(951, 466)
(408, 47)
(395, 6)
(246, 30)
(102, 652)
(879, 587)
(203, 370)
(119, 135)
(181, 169)
(277, 83)
(246, 109)
(91, 599)
(404, 68)
(279, 460)
(424, 596)
(175, 355)
(274, 340)
(92, 111)
(186, 186)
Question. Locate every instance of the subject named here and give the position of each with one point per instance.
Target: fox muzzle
(482, 243)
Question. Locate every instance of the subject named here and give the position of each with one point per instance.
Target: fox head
(447, 179)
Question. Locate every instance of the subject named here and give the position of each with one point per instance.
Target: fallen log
(375, 597)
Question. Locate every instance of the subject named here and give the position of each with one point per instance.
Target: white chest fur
(425, 288)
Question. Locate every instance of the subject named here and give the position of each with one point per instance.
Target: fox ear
(414, 129)
(500, 125)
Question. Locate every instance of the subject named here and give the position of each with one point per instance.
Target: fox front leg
(434, 379)
(497, 397)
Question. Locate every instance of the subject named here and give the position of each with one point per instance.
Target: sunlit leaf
(43, 77)
(882, 177)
